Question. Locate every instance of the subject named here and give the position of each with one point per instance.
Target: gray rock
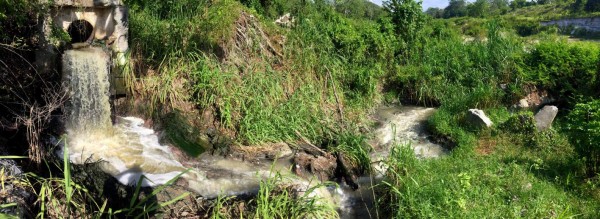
(545, 117)
(478, 118)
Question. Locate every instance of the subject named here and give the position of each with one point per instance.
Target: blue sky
(426, 3)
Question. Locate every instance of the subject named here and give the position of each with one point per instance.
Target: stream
(132, 150)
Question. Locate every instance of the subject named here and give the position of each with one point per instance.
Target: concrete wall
(590, 24)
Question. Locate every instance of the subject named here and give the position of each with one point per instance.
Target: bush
(584, 128)
(531, 27)
(463, 74)
(18, 19)
(566, 69)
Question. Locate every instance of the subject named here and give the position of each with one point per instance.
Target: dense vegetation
(320, 76)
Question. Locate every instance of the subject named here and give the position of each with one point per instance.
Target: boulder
(321, 166)
(523, 104)
(477, 118)
(545, 117)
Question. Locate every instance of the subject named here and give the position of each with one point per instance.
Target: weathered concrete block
(477, 117)
(545, 117)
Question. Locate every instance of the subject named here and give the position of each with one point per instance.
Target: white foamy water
(130, 151)
(396, 125)
(405, 125)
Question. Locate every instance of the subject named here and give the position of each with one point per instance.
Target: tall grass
(453, 71)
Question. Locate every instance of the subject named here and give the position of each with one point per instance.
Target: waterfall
(129, 149)
(85, 74)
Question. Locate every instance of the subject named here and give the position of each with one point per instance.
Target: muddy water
(132, 150)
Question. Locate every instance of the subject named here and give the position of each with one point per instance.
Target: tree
(357, 8)
(435, 12)
(456, 8)
(406, 15)
(519, 4)
(498, 7)
(592, 5)
(408, 19)
(478, 8)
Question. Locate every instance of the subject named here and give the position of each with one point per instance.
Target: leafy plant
(584, 128)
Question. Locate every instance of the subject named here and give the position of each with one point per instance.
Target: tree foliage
(584, 124)
(408, 18)
(358, 9)
(456, 8)
(479, 8)
(435, 12)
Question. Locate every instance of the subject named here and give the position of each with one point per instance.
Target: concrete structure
(589, 24)
(101, 22)
(545, 117)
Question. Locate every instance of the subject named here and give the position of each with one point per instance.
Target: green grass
(275, 201)
(512, 182)
(332, 71)
(328, 75)
(279, 196)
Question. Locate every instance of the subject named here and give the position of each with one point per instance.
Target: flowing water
(395, 125)
(130, 150)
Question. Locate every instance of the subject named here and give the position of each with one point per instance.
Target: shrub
(463, 74)
(566, 69)
(584, 128)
